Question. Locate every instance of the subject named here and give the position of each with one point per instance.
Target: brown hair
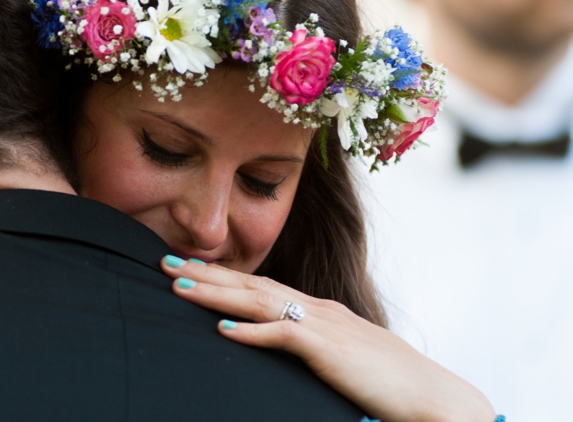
(322, 249)
(27, 129)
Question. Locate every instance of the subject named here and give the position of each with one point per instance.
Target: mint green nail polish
(185, 283)
(174, 262)
(197, 261)
(229, 325)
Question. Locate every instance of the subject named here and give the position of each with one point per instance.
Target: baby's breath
(373, 89)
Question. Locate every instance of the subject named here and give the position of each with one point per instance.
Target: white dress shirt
(477, 264)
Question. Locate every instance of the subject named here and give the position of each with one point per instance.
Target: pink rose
(108, 22)
(302, 73)
(422, 117)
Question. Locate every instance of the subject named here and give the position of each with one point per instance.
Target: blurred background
(471, 238)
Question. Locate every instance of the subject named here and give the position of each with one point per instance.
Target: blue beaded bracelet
(500, 418)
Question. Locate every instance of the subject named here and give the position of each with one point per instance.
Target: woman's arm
(366, 363)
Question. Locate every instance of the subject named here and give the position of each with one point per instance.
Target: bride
(223, 132)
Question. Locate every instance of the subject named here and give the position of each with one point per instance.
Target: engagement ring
(292, 312)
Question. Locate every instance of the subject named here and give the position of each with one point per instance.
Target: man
(89, 327)
(476, 229)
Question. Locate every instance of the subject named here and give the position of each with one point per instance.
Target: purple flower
(244, 53)
(254, 13)
(259, 18)
(370, 89)
(336, 87)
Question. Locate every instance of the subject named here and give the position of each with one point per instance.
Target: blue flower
(240, 8)
(47, 24)
(408, 62)
(234, 17)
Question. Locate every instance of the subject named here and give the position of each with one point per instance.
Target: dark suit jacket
(90, 330)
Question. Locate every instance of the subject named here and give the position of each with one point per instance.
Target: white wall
(384, 13)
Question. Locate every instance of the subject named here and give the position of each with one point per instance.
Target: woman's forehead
(222, 109)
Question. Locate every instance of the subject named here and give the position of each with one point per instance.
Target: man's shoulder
(75, 219)
(73, 304)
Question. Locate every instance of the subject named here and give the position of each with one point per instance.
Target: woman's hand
(366, 363)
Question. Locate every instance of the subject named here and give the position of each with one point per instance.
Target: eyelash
(258, 188)
(173, 160)
(161, 155)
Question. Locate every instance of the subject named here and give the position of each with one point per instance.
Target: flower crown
(382, 93)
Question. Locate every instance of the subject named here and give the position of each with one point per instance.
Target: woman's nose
(203, 212)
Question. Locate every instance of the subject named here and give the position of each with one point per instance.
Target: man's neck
(20, 178)
(491, 71)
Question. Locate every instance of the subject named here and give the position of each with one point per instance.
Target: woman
(227, 181)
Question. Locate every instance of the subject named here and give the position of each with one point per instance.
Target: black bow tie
(472, 149)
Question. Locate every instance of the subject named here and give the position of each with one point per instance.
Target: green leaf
(395, 113)
(350, 63)
(323, 139)
(399, 74)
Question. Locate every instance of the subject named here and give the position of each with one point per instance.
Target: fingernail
(229, 325)
(174, 262)
(185, 283)
(197, 261)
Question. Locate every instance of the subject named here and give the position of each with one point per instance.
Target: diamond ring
(292, 312)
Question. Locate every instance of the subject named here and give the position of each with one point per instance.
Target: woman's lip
(204, 258)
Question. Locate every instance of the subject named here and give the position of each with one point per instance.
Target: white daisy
(179, 30)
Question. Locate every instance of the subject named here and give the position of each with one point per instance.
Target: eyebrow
(196, 134)
(191, 131)
(279, 158)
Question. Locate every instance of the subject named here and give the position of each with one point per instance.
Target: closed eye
(161, 155)
(259, 188)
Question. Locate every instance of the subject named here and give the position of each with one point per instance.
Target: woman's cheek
(258, 226)
(124, 179)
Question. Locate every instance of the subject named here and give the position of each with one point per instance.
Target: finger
(199, 271)
(224, 277)
(255, 305)
(286, 335)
